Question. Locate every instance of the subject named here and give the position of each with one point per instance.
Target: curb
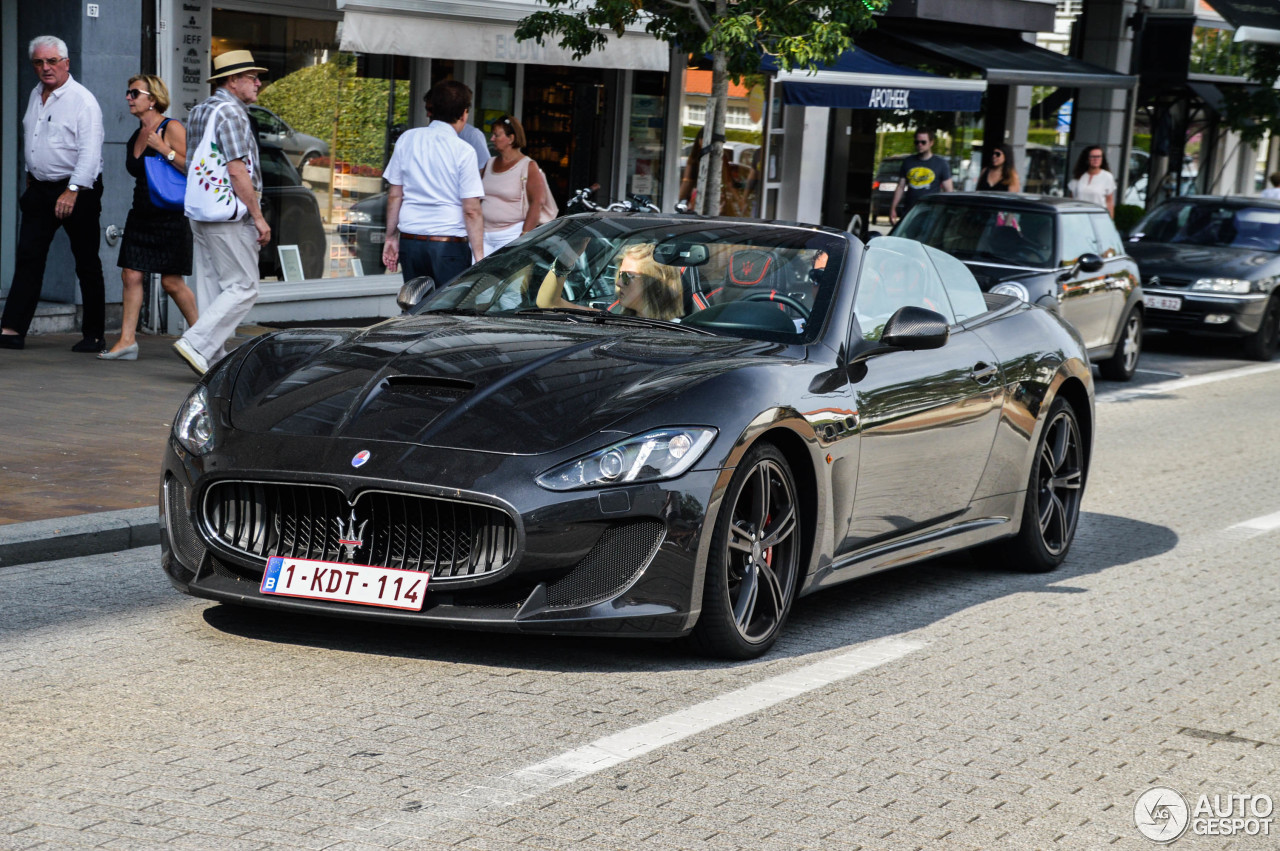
(82, 535)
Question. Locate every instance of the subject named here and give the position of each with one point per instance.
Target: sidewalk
(80, 446)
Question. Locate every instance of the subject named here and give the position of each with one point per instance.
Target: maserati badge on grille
(351, 538)
(361, 457)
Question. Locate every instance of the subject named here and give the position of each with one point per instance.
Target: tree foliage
(312, 99)
(1255, 111)
(795, 33)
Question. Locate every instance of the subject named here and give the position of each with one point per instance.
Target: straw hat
(233, 62)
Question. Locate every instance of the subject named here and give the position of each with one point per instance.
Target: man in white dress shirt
(434, 225)
(62, 143)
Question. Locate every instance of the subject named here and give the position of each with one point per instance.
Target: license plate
(345, 583)
(1162, 302)
(378, 237)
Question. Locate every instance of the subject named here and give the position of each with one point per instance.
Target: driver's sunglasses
(627, 278)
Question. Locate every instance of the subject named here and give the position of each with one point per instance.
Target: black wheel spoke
(744, 607)
(739, 537)
(780, 529)
(769, 579)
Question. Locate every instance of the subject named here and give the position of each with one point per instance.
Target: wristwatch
(71, 187)
(172, 155)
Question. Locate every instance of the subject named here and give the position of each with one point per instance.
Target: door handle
(983, 372)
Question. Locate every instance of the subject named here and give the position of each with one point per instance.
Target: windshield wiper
(601, 317)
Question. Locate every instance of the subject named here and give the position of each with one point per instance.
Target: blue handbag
(167, 185)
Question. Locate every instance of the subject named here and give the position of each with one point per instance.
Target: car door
(1117, 267)
(1084, 298)
(927, 419)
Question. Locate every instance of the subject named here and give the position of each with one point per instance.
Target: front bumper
(1208, 313)
(623, 560)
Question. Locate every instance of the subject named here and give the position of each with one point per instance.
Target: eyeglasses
(255, 77)
(1095, 156)
(922, 141)
(134, 93)
(47, 63)
(627, 278)
(995, 154)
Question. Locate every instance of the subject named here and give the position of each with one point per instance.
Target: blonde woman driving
(643, 286)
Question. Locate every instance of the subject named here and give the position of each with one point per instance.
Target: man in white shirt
(62, 143)
(434, 225)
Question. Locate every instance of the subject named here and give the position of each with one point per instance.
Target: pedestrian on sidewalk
(1272, 191)
(156, 240)
(62, 140)
(434, 223)
(224, 182)
(923, 174)
(1000, 174)
(516, 197)
(1094, 181)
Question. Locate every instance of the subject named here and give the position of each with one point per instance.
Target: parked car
(1211, 266)
(365, 231)
(883, 185)
(498, 460)
(293, 214)
(1064, 255)
(273, 130)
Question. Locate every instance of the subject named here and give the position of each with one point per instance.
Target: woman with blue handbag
(157, 236)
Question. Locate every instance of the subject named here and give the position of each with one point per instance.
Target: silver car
(298, 147)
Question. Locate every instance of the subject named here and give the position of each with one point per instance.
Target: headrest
(751, 267)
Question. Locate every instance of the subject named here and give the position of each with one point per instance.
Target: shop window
(646, 124)
(326, 123)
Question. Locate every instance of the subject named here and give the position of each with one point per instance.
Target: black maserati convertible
(634, 425)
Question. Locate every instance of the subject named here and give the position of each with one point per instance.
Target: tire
(1262, 344)
(750, 587)
(1054, 492)
(1124, 363)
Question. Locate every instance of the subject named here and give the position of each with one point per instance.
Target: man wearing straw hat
(226, 252)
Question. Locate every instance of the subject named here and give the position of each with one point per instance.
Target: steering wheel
(780, 298)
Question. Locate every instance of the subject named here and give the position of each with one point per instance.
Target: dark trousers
(442, 261)
(35, 234)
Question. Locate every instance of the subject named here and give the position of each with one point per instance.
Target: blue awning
(861, 80)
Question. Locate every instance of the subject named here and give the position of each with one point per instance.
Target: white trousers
(495, 239)
(226, 267)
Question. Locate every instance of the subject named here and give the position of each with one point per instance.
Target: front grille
(451, 539)
(182, 535)
(621, 553)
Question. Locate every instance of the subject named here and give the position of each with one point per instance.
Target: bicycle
(584, 201)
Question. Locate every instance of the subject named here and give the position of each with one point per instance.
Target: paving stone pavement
(1034, 714)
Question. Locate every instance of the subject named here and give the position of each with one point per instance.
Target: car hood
(989, 274)
(1180, 262)
(507, 385)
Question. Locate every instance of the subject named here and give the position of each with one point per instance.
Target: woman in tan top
(514, 187)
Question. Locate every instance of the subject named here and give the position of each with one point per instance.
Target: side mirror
(915, 328)
(1089, 262)
(414, 291)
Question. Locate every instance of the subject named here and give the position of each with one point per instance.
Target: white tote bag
(210, 196)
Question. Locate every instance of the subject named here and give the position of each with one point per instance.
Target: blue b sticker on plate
(271, 576)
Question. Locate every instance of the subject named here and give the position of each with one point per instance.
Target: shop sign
(889, 99)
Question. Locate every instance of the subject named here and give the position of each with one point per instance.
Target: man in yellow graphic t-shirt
(922, 174)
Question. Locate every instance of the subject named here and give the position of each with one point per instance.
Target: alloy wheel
(1060, 481)
(761, 551)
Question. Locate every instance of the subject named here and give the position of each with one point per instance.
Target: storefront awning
(1014, 62)
(482, 32)
(1254, 21)
(1213, 94)
(861, 80)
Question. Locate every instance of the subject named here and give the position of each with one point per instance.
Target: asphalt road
(942, 705)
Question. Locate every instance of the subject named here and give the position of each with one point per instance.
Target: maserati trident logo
(351, 536)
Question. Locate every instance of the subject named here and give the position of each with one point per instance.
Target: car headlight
(1013, 289)
(357, 217)
(1235, 286)
(193, 427)
(651, 457)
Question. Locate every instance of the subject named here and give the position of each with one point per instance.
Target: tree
(796, 33)
(1254, 111)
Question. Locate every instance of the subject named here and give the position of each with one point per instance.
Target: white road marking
(1159, 372)
(1256, 526)
(1125, 394)
(533, 780)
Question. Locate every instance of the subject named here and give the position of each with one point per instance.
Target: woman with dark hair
(156, 240)
(1000, 175)
(516, 195)
(1094, 181)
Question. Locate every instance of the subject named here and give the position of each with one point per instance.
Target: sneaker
(188, 353)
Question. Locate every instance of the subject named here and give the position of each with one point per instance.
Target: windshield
(761, 281)
(1211, 224)
(985, 233)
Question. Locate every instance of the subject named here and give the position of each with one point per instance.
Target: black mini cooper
(1059, 253)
